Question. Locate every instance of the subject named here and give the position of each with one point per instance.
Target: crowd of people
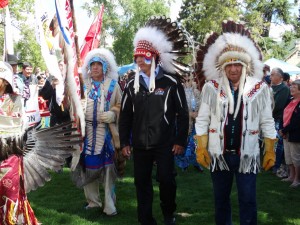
(163, 120)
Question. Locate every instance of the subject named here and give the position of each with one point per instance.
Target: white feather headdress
(167, 41)
(106, 55)
(234, 45)
(231, 48)
(160, 44)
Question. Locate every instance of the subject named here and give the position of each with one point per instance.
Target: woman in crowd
(291, 135)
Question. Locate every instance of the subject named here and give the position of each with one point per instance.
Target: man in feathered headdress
(154, 111)
(234, 107)
(101, 107)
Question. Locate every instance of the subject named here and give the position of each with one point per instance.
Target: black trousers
(143, 165)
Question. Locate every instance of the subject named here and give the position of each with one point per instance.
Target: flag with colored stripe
(92, 39)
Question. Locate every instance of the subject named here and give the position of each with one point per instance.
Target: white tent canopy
(286, 67)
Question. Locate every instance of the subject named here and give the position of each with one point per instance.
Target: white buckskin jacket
(256, 118)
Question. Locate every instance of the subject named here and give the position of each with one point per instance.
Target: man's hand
(108, 117)
(177, 149)
(281, 134)
(126, 152)
(193, 115)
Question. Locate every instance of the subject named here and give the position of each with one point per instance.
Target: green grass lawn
(60, 202)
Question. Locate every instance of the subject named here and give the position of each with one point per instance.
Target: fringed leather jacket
(256, 118)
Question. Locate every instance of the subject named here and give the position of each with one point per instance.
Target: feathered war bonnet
(106, 58)
(164, 39)
(234, 45)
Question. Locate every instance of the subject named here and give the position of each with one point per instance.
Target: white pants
(91, 192)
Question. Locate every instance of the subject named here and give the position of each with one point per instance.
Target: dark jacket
(293, 129)
(155, 120)
(46, 91)
(281, 94)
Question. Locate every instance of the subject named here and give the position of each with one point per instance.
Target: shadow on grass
(60, 202)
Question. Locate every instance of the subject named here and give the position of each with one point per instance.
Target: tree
(260, 15)
(199, 17)
(27, 48)
(122, 18)
(277, 11)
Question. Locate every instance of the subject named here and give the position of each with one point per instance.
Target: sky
(277, 30)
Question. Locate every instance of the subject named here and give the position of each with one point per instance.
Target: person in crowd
(125, 78)
(59, 104)
(49, 76)
(45, 93)
(37, 71)
(192, 96)
(267, 71)
(45, 87)
(12, 190)
(154, 121)
(282, 171)
(18, 81)
(286, 79)
(281, 94)
(10, 102)
(235, 105)
(24, 154)
(101, 105)
(28, 78)
(291, 135)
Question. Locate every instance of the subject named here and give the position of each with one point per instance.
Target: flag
(50, 59)
(91, 39)
(72, 52)
(62, 22)
(69, 51)
(3, 3)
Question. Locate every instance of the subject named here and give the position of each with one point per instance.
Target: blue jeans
(246, 187)
(279, 147)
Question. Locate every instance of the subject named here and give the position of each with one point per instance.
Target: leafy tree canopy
(123, 18)
(201, 16)
(27, 48)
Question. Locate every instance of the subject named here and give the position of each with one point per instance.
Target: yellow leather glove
(269, 157)
(201, 150)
